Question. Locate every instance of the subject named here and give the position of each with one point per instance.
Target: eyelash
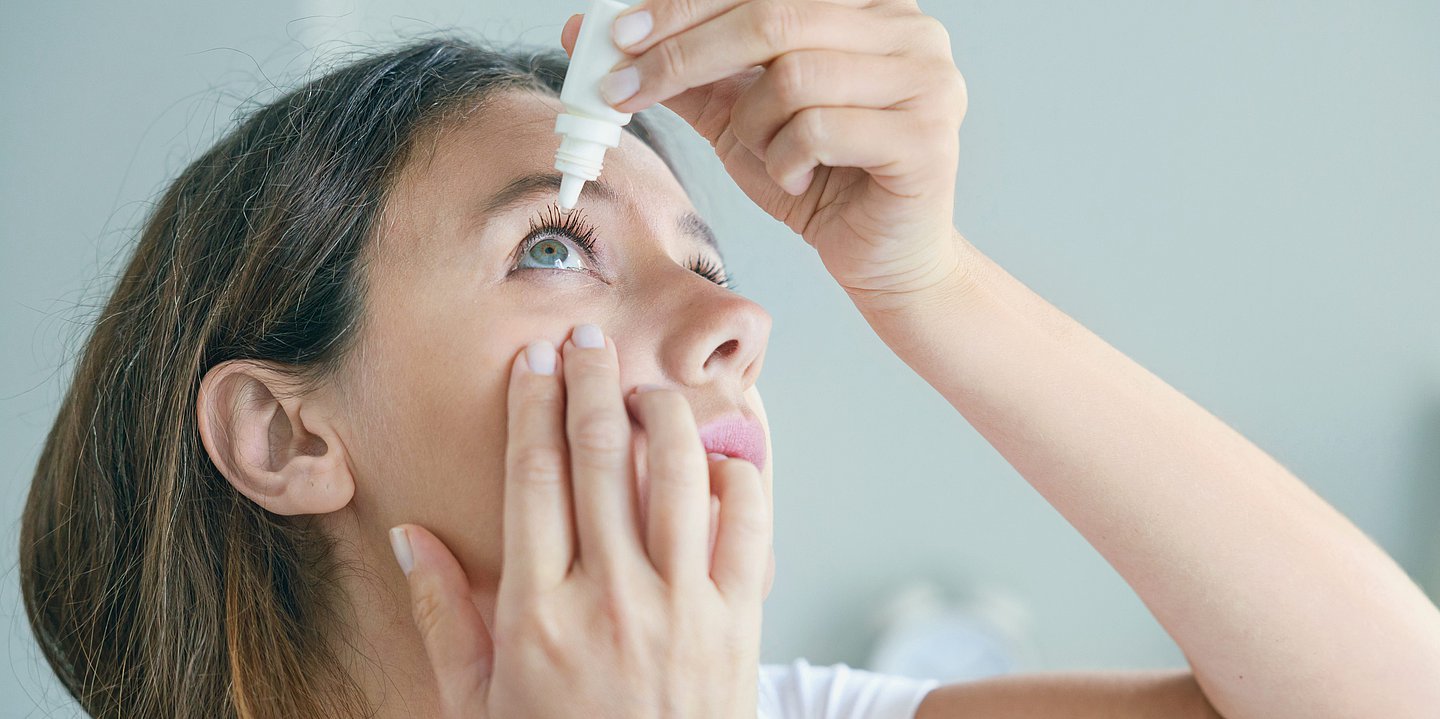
(573, 226)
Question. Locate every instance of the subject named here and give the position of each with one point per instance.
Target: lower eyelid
(525, 246)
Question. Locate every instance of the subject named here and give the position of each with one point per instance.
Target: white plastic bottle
(589, 125)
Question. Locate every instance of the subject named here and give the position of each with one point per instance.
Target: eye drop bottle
(589, 125)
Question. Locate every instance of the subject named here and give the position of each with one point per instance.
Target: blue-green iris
(551, 253)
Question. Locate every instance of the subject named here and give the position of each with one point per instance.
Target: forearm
(1282, 606)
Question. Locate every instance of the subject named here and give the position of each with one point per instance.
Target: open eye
(553, 241)
(550, 251)
(566, 241)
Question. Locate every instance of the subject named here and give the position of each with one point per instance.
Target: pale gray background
(1239, 194)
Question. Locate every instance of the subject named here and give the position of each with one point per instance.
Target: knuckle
(930, 34)
(538, 464)
(751, 138)
(681, 11)
(960, 97)
(776, 22)
(534, 631)
(617, 605)
(541, 397)
(792, 73)
(588, 363)
(511, 629)
(810, 129)
(598, 435)
(937, 32)
(428, 612)
(672, 57)
(950, 101)
(553, 645)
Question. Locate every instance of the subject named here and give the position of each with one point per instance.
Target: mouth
(735, 435)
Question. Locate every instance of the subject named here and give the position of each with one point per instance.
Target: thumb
(456, 640)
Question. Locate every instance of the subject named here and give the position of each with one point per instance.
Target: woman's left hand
(840, 118)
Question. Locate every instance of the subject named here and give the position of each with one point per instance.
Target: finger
(571, 32)
(689, 105)
(823, 78)
(601, 463)
(743, 539)
(678, 485)
(538, 537)
(749, 35)
(456, 640)
(696, 106)
(639, 28)
(847, 137)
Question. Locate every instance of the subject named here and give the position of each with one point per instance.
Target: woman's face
(455, 290)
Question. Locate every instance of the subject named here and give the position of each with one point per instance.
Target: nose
(719, 337)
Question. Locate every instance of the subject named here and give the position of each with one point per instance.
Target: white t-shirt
(800, 691)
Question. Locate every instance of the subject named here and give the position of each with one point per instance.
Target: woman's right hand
(629, 621)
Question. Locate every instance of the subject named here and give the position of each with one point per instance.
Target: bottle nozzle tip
(570, 190)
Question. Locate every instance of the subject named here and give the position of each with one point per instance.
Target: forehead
(511, 134)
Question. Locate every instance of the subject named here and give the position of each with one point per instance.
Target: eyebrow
(532, 186)
(529, 187)
(692, 224)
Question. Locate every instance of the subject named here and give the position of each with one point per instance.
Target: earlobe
(270, 442)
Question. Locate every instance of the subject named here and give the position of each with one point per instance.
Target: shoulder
(798, 690)
(1171, 693)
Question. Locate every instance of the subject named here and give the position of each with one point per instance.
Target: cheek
(429, 423)
(427, 434)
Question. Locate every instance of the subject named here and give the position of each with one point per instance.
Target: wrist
(951, 281)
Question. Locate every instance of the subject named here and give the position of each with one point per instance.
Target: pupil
(550, 253)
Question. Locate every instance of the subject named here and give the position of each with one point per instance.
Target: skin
(413, 428)
(446, 315)
(839, 119)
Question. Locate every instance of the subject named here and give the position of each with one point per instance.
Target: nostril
(727, 348)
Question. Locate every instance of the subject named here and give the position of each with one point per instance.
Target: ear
(273, 444)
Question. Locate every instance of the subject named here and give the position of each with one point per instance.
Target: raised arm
(1281, 605)
(841, 120)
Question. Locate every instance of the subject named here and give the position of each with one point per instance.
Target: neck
(376, 640)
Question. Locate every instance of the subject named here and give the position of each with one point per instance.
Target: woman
(359, 311)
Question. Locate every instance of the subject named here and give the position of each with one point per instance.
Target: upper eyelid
(543, 224)
(544, 233)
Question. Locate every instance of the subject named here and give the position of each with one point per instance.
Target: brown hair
(153, 586)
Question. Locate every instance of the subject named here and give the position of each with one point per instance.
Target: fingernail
(620, 85)
(541, 357)
(716, 457)
(400, 544)
(632, 27)
(588, 336)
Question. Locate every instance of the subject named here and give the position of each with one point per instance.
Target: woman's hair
(153, 586)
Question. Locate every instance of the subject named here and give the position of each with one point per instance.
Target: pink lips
(735, 436)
